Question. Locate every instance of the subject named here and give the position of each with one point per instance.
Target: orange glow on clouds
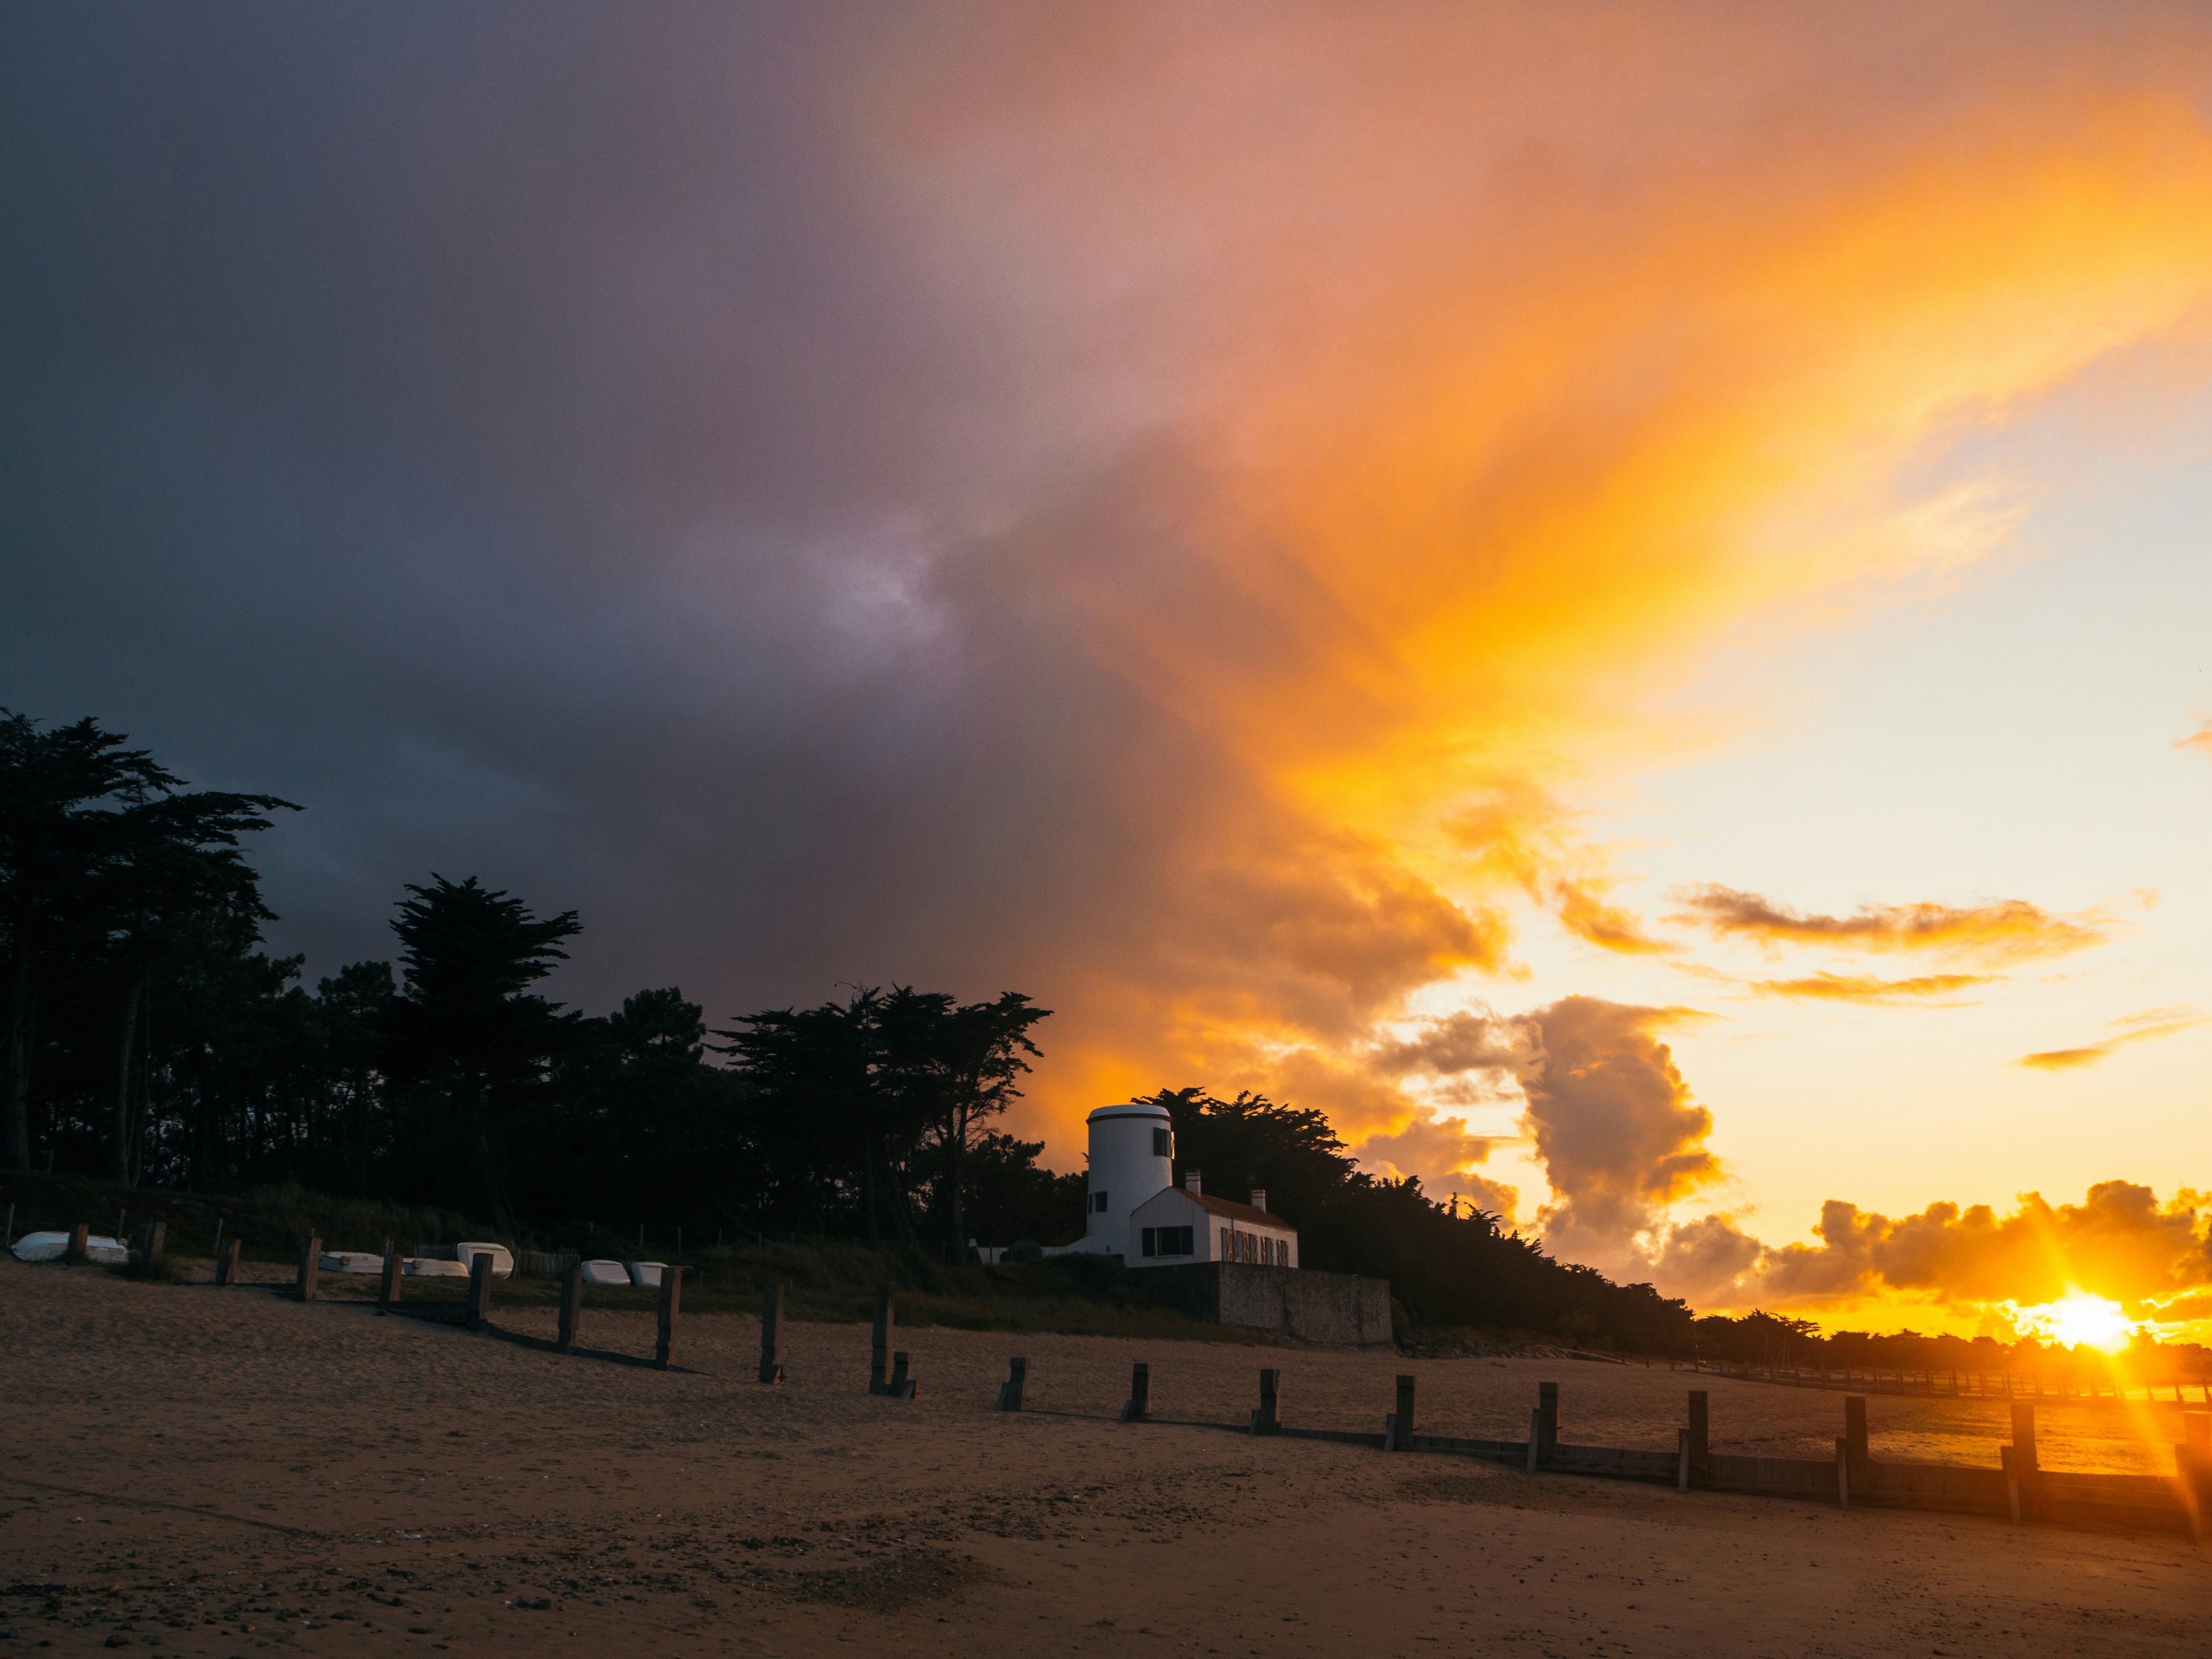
(1484, 376)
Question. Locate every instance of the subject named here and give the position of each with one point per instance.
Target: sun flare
(2079, 1319)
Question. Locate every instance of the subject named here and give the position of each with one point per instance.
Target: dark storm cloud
(494, 429)
(960, 494)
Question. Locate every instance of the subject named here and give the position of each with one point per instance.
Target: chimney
(1259, 1198)
(1190, 1181)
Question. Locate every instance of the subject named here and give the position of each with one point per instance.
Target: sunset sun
(2079, 1319)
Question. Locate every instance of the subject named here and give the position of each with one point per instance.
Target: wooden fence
(1956, 1385)
(2019, 1488)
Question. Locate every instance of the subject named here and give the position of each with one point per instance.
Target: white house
(1135, 1211)
(1182, 1223)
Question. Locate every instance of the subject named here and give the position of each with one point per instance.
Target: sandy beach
(214, 1472)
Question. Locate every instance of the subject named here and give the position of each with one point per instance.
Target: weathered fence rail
(1942, 1385)
(2019, 1488)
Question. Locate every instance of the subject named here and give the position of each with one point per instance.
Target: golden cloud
(1396, 458)
(2151, 1023)
(1865, 988)
(2007, 930)
(2200, 740)
(1521, 836)
(2120, 1243)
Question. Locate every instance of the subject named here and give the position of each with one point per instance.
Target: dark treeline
(146, 1036)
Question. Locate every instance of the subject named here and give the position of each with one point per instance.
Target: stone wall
(1327, 1309)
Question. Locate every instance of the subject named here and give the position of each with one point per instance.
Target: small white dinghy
(352, 1261)
(606, 1272)
(645, 1274)
(428, 1266)
(52, 1247)
(503, 1262)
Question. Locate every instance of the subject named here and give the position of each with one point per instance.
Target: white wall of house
(1212, 1236)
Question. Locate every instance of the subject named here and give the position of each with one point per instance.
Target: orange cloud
(2119, 1242)
(1865, 988)
(2200, 740)
(1440, 1151)
(1613, 1123)
(1604, 1108)
(1520, 836)
(2008, 930)
(1401, 456)
(2140, 1028)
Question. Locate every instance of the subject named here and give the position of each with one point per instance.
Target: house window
(1163, 1144)
(1097, 1203)
(1177, 1241)
(1145, 1243)
(1227, 1238)
(1251, 1248)
(1267, 1252)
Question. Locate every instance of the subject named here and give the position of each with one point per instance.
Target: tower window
(1163, 1144)
(1099, 1202)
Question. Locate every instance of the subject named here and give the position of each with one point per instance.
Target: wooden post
(2020, 1461)
(479, 1312)
(771, 1360)
(1547, 1405)
(310, 1265)
(903, 1386)
(1700, 1434)
(1403, 1425)
(1140, 1391)
(2023, 1436)
(226, 1262)
(157, 1245)
(671, 1302)
(880, 1353)
(1843, 1472)
(388, 1285)
(1010, 1391)
(1681, 1460)
(1855, 1440)
(2012, 1482)
(572, 1307)
(1271, 1401)
(2193, 1460)
(80, 1245)
(1535, 1436)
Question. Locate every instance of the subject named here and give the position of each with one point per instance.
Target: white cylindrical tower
(1131, 1147)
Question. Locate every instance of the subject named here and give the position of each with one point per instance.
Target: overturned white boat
(52, 1247)
(502, 1260)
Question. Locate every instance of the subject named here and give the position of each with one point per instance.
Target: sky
(1611, 594)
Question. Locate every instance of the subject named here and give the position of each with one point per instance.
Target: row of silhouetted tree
(147, 1036)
